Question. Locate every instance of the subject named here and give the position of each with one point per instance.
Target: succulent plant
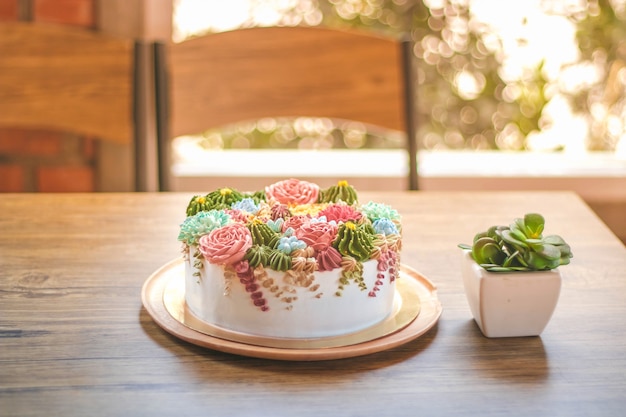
(520, 246)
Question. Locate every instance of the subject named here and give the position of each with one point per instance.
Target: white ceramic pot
(510, 304)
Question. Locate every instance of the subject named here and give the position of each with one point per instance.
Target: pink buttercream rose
(226, 245)
(340, 213)
(296, 222)
(317, 235)
(293, 191)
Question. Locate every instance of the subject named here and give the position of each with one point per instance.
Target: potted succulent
(511, 277)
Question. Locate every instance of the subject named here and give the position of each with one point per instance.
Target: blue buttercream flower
(276, 225)
(319, 219)
(201, 224)
(322, 219)
(385, 227)
(247, 204)
(289, 244)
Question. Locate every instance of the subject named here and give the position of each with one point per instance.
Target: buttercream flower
(318, 235)
(385, 227)
(238, 215)
(340, 213)
(201, 224)
(289, 244)
(293, 191)
(295, 222)
(328, 259)
(227, 245)
(276, 225)
(376, 211)
(310, 210)
(279, 211)
(247, 205)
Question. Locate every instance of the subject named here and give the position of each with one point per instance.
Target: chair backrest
(248, 74)
(68, 79)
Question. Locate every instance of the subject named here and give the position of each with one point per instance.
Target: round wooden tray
(417, 311)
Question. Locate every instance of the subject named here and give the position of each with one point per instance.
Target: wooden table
(75, 339)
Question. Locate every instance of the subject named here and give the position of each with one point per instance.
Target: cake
(290, 261)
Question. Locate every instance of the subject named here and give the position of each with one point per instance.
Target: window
(492, 74)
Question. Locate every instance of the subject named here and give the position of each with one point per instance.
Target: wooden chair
(67, 79)
(249, 74)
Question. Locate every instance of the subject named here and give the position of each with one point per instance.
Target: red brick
(65, 179)
(30, 142)
(8, 10)
(71, 12)
(11, 178)
(89, 148)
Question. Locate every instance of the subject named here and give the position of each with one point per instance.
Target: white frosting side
(293, 311)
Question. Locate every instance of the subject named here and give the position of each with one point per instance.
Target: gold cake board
(416, 310)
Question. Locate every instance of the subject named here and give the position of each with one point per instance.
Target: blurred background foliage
(470, 94)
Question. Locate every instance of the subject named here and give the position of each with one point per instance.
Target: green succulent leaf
(498, 268)
(554, 240)
(565, 258)
(520, 246)
(510, 237)
(535, 244)
(480, 235)
(550, 252)
(534, 223)
(538, 263)
(515, 260)
(486, 250)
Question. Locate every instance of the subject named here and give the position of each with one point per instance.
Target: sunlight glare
(196, 16)
(528, 36)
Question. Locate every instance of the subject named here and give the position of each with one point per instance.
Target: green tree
(462, 101)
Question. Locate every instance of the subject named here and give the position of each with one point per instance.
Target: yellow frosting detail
(201, 200)
(351, 226)
(304, 209)
(225, 191)
(342, 183)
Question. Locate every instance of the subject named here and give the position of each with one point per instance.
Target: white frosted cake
(290, 261)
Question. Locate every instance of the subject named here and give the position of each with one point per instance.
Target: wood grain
(67, 79)
(285, 72)
(75, 339)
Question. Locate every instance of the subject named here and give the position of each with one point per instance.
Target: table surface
(76, 340)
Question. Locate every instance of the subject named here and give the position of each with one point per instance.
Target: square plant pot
(510, 304)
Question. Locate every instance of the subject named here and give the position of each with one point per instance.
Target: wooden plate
(163, 298)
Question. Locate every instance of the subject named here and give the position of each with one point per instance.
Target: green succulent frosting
(279, 261)
(262, 234)
(257, 196)
(340, 192)
(220, 199)
(225, 197)
(258, 255)
(197, 204)
(355, 240)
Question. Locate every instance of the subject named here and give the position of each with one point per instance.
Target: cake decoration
(285, 247)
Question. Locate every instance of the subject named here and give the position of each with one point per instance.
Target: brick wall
(34, 160)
